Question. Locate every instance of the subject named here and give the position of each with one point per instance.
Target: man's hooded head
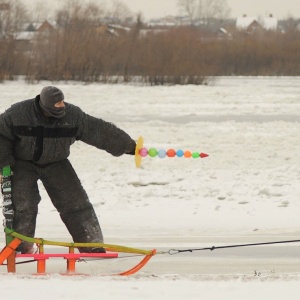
(50, 95)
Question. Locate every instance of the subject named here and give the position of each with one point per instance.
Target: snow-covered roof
(223, 30)
(270, 23)
(154, 31)
(120, 27)
(36, 25)
(244, 22)
(25, 35)
(168, 21)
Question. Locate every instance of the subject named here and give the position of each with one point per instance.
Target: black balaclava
(48, 97)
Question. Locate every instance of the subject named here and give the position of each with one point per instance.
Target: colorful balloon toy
(141, 152)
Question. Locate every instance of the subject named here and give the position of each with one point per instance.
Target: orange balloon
(171, 153)
(187, 154)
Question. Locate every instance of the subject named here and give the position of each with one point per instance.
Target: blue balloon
(179, 153)
(161, 153)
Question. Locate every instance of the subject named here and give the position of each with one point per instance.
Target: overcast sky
(279, 8)
(160, 8)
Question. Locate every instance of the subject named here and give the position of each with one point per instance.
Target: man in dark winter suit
(35, 140)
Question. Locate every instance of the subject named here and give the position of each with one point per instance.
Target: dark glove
(131, 150)
(131, 153)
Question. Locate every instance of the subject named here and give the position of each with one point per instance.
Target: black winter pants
(66, 193)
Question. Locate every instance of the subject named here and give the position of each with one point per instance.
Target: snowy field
(246, 191)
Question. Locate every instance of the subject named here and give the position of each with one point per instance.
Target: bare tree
(204, 9)
(119, 11)
(188, 7)
(12, 19)
(132, 42)
(213, 9)
(75, 13)
(41, 12)
(13, 15)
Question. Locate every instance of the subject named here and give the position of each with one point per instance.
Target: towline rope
(109, 247)
(176, 251)
(8, 253)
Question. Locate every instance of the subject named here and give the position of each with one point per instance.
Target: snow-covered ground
(246, 191)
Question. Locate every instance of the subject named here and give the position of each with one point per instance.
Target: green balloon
(152, 152)
(195, 155)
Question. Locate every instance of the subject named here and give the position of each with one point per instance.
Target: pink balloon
(143, 152)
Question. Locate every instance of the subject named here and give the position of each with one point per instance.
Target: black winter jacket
(26, 134)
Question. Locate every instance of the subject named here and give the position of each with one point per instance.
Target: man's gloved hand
(131, 153)
(131, 150)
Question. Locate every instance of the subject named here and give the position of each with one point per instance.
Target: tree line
(82, 49)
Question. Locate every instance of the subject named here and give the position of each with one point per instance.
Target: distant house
(252, 24)
(45, 26)
(248, 24)
(168, 21)
(25, 38)
(270, 23)
(39, 26)
(224, 34)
